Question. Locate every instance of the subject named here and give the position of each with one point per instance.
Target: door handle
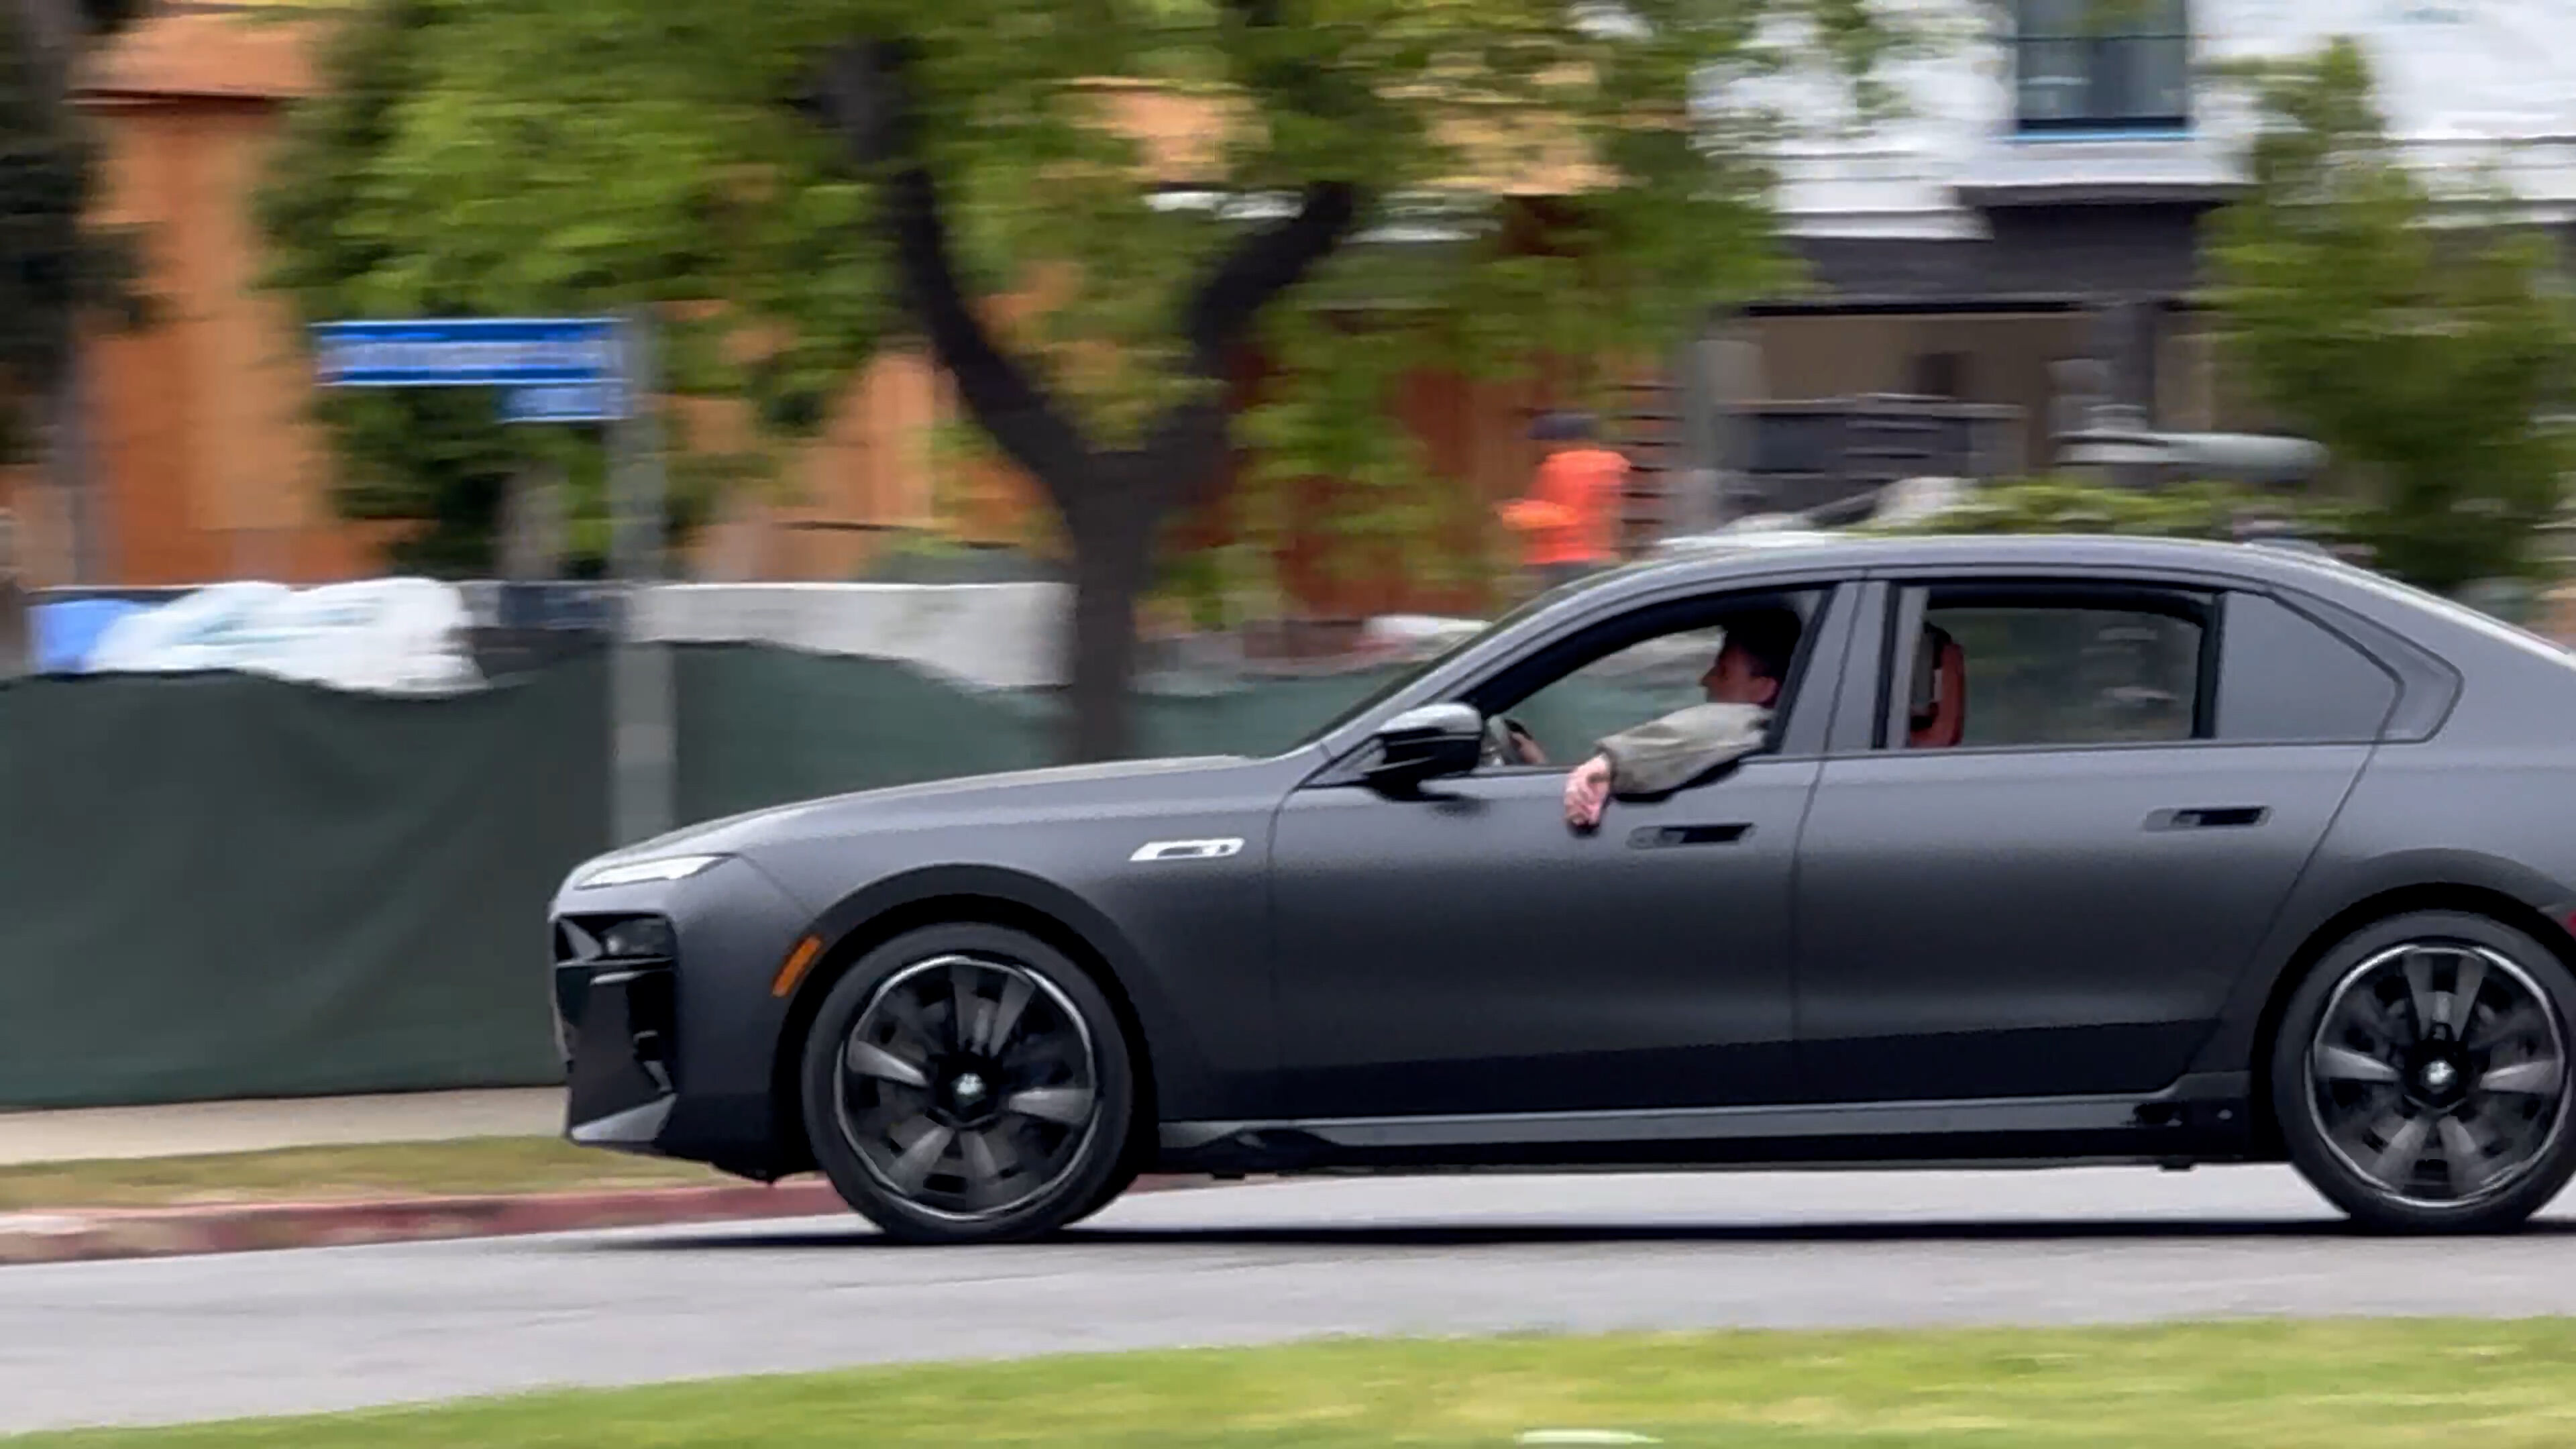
(2210, 817)
(1652, 837)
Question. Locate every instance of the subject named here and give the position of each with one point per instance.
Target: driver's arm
(1662, 755)
(1668, 753)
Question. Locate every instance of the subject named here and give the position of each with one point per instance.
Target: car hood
(1023, 793)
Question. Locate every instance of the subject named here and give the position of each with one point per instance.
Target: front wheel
(2420, 1076)
(968, 1084)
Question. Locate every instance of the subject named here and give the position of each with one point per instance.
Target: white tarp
(378, 636)
(1000, 636)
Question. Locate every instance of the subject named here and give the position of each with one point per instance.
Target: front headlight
(645, 872)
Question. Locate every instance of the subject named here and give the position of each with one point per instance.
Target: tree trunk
(1110, 500)
(52, 30)
(1113, 551)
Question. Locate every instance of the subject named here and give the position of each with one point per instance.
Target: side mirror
(1427, 743)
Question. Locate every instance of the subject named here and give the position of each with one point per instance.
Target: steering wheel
(1500, 746)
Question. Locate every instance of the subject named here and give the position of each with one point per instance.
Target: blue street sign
(468, 352)
(563, 403)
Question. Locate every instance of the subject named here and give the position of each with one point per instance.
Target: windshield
(1407, 675)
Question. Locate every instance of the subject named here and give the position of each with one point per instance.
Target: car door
(1466, 952)
(2058, 902)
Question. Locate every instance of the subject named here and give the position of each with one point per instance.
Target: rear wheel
(968, 1084)
(2420, 1076)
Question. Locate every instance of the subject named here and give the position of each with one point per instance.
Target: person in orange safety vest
(1569, 519)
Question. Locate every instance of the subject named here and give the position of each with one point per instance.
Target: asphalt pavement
(142, 1342)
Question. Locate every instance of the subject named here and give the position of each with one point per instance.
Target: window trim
(1798, 734)
(2091, 118)
(1909, 600)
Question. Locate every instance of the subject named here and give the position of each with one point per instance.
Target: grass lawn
(486, 1165)
(2345, 1385)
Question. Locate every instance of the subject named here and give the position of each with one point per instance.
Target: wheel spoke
(2419, 992)
(2465, 1158)
(870, 1060)
(2462, 1004)
(2343, 1064)
(2396, 1161)
(922, 1154)
(1017, 992)
(1066, 1106)
(966, 1012)
(906, 1013)
(984, 1167)
(2520, 1021)
(2538, 1078)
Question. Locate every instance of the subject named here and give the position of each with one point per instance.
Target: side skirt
(2200, 1118)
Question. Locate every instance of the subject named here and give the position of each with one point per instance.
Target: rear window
(2073, 673)
(2284, 678)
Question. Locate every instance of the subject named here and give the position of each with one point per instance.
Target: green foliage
(55, 268)
(2428, 358)
(2196, 510)
(515, 158)
(457, 168)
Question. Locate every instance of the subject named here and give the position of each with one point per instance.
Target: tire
(999, 1122)
(1109, 1193)
(2411, 1115)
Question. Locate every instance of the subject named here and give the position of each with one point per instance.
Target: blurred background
(1107, 379)
(308, 683)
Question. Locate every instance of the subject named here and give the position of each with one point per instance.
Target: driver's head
(1753, 666)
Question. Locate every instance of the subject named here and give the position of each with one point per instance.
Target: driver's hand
(1587, 790)
(1530, 753)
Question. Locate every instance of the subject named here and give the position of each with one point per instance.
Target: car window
(1613, 680)
(1641, 682)
(2045, 672)
(1402, 677)
(2284, 678)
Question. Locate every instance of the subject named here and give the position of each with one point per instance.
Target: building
(2029, 234)
(2026, 239)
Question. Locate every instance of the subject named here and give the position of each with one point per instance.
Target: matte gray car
(2059, 849)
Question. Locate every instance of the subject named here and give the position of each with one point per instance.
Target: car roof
(1719, 555)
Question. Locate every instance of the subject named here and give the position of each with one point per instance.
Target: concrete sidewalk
(195, 1127)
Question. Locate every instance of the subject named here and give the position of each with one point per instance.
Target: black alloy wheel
(2421, 1075)
(968, 1084)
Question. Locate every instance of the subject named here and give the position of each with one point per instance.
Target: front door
(1466, 952)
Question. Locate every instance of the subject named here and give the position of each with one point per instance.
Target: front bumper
(665, 1019)
(617, 1026)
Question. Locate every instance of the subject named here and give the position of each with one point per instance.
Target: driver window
(1625, 673)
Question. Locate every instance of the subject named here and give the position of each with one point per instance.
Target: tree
(1599, 165)
(56, 268)
(2425, 339)
(444, 173)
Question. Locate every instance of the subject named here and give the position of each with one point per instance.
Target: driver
(1742, 685)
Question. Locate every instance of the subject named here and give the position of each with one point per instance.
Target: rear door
(2058, 903)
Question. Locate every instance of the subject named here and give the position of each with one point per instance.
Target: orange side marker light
(799, 961)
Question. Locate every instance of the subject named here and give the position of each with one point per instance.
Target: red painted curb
(81, 1234)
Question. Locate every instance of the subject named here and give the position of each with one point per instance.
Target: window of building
(2102, 65)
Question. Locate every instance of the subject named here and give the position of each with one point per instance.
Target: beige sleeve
(1668, 753)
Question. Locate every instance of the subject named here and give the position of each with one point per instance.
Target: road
(181, 1339)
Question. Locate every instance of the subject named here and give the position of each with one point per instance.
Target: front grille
(635, 959)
